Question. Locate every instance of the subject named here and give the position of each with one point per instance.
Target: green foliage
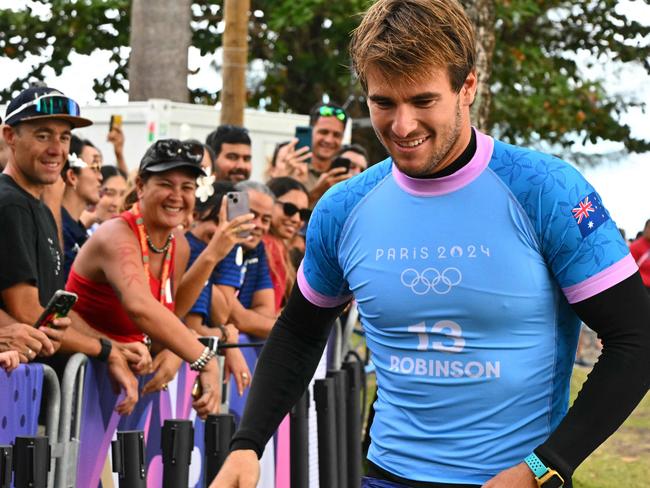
(541, 92)
(82, 26)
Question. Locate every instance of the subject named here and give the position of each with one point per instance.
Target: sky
(623, 185)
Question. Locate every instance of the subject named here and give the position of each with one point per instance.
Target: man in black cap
(37, 131)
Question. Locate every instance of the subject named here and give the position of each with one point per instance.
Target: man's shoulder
(530, 172)
(12, 195)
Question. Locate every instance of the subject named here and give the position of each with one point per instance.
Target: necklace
(159, 250)
(169, 250)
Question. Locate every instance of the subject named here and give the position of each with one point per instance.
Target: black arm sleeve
(618, 381)
(284, 369)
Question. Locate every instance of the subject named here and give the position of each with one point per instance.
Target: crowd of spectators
(152, 255)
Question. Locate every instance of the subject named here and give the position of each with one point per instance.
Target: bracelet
(203, 360)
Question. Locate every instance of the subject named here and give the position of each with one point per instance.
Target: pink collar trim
(447, 184)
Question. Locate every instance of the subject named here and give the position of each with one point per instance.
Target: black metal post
(340, 389)
(5, 466)
(219, 429)
(129, 460)
(176, 442)
(299, 418)
(353, 397)
(31, 462)
(326, 416)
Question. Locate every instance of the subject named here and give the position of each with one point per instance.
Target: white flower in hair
(76, 162)
(204, 186)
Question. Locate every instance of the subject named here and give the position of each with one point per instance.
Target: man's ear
(468, 90)
(9, 135)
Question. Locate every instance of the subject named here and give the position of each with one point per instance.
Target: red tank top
(99, 306)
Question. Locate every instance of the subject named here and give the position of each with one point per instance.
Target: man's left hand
(519, 476)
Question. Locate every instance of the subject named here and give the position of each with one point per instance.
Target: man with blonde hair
(472, 262)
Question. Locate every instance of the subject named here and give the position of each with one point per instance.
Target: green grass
(623, 461)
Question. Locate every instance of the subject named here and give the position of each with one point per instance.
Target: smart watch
(546, 477)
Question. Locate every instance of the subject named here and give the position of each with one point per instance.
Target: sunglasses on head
(50, 104)
(290, 210)
(173, 148)
(327, 111)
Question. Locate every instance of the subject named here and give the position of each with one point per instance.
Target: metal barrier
(66, 452)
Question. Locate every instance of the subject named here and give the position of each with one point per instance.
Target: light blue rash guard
(463, 285)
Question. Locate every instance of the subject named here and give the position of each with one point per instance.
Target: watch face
(553, 482)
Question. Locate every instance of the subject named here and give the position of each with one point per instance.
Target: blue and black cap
(44, 103)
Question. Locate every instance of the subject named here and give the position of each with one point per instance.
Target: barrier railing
(22, 392)
(81, 422)
(70, 422)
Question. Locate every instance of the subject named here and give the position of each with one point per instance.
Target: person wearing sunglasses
(220, 276)
(328, 123)
(128, 275)
(83, 178)
(290, 213)
(37, 131)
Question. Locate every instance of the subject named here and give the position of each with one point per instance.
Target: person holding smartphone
(128, 273)
(37, 130)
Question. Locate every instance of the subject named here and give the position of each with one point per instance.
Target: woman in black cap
(127, 274)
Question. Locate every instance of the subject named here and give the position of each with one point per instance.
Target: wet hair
(230, 134)
(405, 39)
(284, 184)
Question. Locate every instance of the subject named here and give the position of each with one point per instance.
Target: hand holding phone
(59, 305)
(341, 163)
(303, 134)
(116, 122)
(237, 204)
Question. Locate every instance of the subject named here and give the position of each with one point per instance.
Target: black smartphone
(303, 134)
(237, 204)
(341, 163)
(58, 306)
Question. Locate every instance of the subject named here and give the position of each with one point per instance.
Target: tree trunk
(160, 39)
(483, 16)
(235, 57)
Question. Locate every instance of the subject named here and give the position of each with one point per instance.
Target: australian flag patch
(590, 214)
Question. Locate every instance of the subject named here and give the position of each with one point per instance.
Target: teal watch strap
(536, 465)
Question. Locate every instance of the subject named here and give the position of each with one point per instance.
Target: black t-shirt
(74, 236)
(29, 245)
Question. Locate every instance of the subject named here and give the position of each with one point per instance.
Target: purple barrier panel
(98, 423)
(20, 401)
(151, 412)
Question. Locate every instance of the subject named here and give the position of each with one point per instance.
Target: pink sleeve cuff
(317, 298)
(601, 281)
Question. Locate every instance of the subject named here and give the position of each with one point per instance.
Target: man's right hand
(26, 340)
(241, 470)
(123, 379)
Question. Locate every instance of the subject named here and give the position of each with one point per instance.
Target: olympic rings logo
(431, 279)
